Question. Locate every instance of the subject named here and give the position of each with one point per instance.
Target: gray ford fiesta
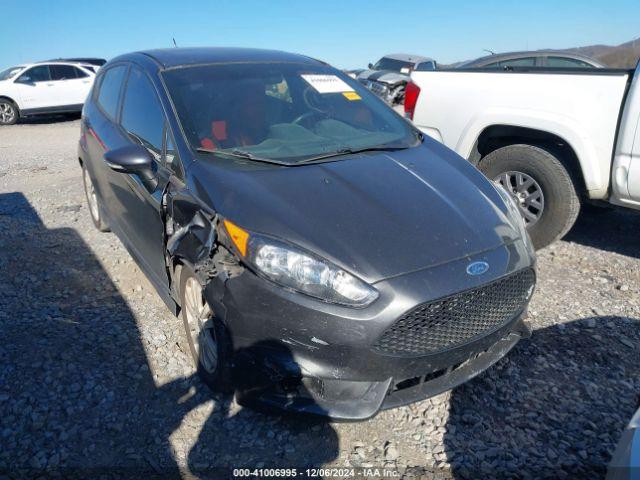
(323, 255)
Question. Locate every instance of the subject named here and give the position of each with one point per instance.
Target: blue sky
(347, 34)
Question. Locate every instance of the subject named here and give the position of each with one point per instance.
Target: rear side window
(109, 93)
(37, 74)
(80, 73)
(142, 114)
(63, 72)
(558, 62)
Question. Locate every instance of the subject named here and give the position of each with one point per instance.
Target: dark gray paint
(408, 222)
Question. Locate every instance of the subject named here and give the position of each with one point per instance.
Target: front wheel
(204, 334)
(8, 112)
(541, 186)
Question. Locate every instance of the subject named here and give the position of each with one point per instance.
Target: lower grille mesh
(454, 320)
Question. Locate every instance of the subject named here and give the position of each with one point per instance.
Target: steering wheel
(318, 106)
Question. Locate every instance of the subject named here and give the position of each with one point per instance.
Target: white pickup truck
(554, 138)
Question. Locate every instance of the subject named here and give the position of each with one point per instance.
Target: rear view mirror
(135, 160)
(370, 66)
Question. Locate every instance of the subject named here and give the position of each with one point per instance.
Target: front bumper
(342, 400)
(294, 353)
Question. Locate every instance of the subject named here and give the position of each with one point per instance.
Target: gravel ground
(92, 382)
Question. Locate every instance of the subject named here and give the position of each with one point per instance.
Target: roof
(406, 57)
(175, 57)
(50, 62)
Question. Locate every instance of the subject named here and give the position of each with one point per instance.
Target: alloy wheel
(526, 192)
(92, 197)
(200, 325)
(7, 113)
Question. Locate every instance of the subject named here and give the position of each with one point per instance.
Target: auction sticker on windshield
(327, 83)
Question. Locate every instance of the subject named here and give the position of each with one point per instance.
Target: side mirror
(24, 79)
(371, 66)
(135, 160)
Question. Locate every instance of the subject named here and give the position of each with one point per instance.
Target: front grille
(376, 87)
(457, 319)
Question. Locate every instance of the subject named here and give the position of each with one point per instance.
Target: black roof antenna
(174, 42)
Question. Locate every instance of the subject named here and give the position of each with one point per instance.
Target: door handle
(49, 84)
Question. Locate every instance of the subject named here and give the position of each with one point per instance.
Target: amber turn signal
(239, 237)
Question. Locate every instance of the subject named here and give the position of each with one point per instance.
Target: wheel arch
(6, 97)
(498, 136)
(14, 103)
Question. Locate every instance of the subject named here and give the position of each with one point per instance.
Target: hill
(625, 55)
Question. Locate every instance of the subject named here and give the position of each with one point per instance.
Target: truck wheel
(8, 112)
(541, 186)
(203, 334)
(93, 201)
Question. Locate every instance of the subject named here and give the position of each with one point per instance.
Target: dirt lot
(92, 382)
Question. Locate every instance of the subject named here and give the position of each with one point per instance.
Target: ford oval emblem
(477, 268)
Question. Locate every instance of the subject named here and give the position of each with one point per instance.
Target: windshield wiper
(350, 151)
(237, 153)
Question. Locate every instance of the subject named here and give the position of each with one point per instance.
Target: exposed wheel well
(498, 136)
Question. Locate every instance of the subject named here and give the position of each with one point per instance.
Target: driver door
(36, 89)
(139, 210)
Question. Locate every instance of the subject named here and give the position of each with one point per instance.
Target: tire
(93, 202)
(9, 112)
(397, 95)
(209, 346)
(559, 199)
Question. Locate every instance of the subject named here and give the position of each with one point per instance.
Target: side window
(142, 114)
(37, 74)
(80, 73)
(519, 62)
(109, 93)
(515, 62)
(62, 72)
(557, 62)
(425, 66)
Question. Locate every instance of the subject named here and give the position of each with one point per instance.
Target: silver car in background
(388, 77)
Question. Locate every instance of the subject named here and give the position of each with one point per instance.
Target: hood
(376, 215)
(383, 76)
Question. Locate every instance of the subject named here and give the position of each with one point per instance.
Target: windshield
(10, 72)
(285, 112)
(391, 64)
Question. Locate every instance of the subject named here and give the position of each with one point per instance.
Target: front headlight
(292, 267)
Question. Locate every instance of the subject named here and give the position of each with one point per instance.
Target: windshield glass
(10, 72)
(281, 111)
(391, 64)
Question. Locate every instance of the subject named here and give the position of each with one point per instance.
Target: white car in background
(43, 88)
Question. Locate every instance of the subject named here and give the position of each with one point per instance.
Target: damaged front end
(293, 352)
